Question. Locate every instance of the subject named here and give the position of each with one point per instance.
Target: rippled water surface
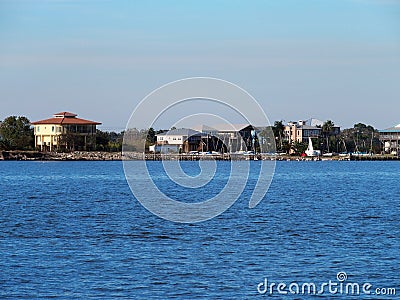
(73, 230)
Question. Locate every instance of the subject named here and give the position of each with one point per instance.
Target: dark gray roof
(221, 127)
(230, 127)
(309, 127)
(181, 131)
(204, 128)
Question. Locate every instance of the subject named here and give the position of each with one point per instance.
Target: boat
(310, 149)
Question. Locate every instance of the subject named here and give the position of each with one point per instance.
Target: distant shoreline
(117, 156)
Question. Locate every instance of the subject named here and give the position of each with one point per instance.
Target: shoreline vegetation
(362, 142)
(17, 155)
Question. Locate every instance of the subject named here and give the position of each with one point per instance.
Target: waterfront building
(65, 131)
(302, 130)
(390, 139)
(177, 140)
(203, 138)
(229, 137)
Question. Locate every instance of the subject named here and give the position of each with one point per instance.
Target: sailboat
(310, 149)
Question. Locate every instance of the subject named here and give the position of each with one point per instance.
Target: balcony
(387, 137)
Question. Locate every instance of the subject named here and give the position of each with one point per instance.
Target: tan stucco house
(65, 130)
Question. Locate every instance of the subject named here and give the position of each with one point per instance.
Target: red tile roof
(67, 119)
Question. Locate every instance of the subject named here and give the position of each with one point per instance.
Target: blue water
(73, 230)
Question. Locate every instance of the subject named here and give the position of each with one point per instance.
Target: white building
(177, 140)
(390, 138)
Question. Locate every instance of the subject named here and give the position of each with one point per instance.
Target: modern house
(302, 130)
(65, 131)
(177, 140)
(390, 138)
(221, 138)
(229, 137)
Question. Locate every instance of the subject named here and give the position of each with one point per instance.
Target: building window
(38, 128)
(52, 128)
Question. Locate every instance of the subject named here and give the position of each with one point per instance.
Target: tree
(16, 133)
(71, 141)
(286, 147)
(299, 147)
(151, 136)
(361, 138)
(102, 140)
(327, 129)
(278, 130)
(266, 139)
(109, 141)
(134, 140)
(116, 139)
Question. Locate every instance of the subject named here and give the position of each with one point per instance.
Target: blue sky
(336, 60)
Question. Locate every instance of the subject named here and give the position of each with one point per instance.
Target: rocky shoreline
(116, 156)
(77, 155)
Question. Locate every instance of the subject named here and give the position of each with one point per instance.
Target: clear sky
(336, 59)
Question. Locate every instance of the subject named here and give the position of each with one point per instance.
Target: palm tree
(327, 129)
(278, 130)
